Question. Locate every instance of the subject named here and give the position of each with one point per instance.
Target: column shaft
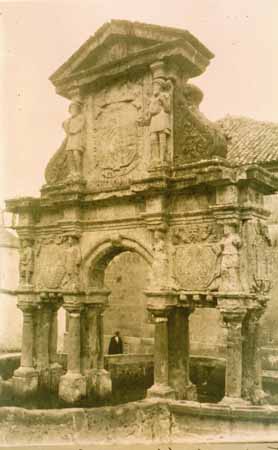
(74, 342)
(179, 354)
(43, 337)
(161, 351)
(53, 336)
(100, 339)
(27, 339)
(252, 368)
(233, 378)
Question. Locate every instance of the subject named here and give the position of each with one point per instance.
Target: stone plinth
(72, 387)
(25, 381)
(100, 383)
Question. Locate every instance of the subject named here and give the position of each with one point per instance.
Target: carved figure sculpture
(74, 127)
(226, 275)
(26, 263)
(73, 259)
(230, 262)
(160, 121)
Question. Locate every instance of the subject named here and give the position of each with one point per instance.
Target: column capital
(73, 309)
(161, 300)
(97, 298)
(27, 307)
(233, 316)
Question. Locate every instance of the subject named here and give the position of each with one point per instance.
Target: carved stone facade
(154, 181)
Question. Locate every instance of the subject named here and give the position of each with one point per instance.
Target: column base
(191, 392)
(25, 381)
(234, 401)
(161, 391)
(258, 397)
(56, 371)
(100, 383)
(72, 387)
(44, 378)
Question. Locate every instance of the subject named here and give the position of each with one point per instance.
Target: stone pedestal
(72, 385)
(179, 354)
(252, 389)
(161, 386)
(25, 378)
(233, 378)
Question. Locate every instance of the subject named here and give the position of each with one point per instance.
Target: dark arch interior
(126, 276)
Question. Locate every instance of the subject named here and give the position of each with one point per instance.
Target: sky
(37, 37)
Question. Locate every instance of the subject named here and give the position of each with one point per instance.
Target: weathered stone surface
(141, 422)
(141, 170)
(72, 387)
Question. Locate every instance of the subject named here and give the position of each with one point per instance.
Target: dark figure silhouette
(115, 345)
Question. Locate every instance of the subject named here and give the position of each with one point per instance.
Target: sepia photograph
(139, 225)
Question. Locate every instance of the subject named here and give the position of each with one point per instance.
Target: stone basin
(141, 421)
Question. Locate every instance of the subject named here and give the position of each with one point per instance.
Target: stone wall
(127, 277)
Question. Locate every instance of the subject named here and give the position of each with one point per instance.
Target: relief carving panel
(256, 256)
(115, 140)
(193, 254)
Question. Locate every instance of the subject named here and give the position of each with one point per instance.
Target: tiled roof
(250, 141)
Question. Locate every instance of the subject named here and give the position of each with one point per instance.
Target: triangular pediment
(118, 39)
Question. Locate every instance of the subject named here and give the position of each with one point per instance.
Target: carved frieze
(192, 233)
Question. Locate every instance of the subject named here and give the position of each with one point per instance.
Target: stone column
(161, 386)
(252, 388)
(25, 378)
(72, 385)
(43, 338)
(179, 354)
(53, 334)
(101, 384)
(233, 379)
(56, 369)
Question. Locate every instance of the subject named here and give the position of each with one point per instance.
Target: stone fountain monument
(142, 170)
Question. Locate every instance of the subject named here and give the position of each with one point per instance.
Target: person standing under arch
(115, 345)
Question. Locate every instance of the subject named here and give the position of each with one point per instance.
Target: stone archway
(91, 313)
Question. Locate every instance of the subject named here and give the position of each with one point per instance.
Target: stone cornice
(179, 50)
(204, 174)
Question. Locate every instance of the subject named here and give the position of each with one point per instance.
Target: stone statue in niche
(226, 277)
(26, 262)
(73, 258)
(74, 127)
(158, 118)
